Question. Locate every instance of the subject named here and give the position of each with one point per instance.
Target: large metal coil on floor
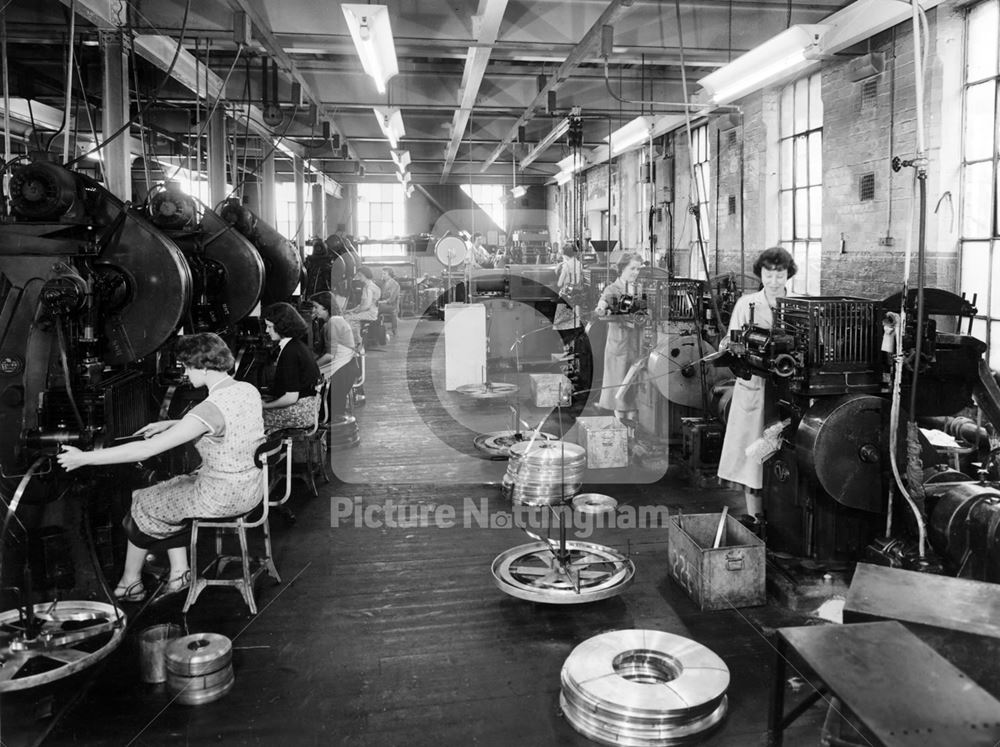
(199, 668)
(544, 473)
(344, 433)
(643, 687)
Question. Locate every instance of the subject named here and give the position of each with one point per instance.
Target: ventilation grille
(731, 138)
(869, 94)
(866, 187)
(732, 204)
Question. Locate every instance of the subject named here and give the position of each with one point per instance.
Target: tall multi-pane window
(800, 188)
(701, 157)
(380, 212)
(490, 198)
(980, 234)
(288, 223)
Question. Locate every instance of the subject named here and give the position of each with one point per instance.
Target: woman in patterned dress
(226, 429)
(292, 401)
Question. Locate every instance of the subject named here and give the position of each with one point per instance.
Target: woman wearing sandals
(226, 429)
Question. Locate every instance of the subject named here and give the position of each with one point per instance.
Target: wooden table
(898, 688)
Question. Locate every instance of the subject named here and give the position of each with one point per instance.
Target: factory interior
(498, 372)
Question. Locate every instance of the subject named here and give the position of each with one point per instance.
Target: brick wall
(858, 138)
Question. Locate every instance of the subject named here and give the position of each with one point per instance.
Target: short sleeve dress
(226, 484)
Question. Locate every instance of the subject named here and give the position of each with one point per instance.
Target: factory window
(800, 139)
(490, 199)
(380, 213)
(980, 232)
(287, 223)
(702, 179)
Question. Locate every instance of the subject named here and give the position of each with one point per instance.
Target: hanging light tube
(782, 56)
(390, 120)
(631, 134)
(372, 35)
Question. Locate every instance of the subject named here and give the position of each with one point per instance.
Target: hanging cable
(695, 202)
(153, 99)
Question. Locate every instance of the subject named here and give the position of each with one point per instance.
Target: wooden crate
(605, 439)
(550, 390)
(731, 575)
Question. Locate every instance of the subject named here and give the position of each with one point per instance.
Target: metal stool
(311, 437)
(268, 454)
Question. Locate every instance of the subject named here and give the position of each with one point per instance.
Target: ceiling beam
(269, 41)
(166, 54)
(615, 10)
(488, 18)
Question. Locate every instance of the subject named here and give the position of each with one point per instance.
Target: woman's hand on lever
(71, 458)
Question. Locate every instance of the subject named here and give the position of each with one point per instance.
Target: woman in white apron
(751, 409)
(622, 347)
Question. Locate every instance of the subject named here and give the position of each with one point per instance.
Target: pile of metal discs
(199, 668)
(343, 433)
(543, 473)
(643, 687)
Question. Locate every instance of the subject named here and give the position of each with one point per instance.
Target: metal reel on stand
(568, 572)
(498, 443)
(68, 636)
(545, 476)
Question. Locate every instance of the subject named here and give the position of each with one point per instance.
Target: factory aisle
(388, 629)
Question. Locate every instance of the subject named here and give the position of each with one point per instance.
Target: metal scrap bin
(731, 575)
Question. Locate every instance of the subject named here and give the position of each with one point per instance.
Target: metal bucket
(152, 644)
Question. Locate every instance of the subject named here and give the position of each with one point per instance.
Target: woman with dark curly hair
(752, 406)
(292, 399)
(226, 429)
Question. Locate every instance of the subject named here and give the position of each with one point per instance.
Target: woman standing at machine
(622, 347)
(751, 407)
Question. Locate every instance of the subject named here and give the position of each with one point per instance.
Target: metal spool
(488, 390)
(674, 368)
(543, 473)
(844, 443)
(451, 251)
(200, 653)
(498, 443)
(594, 503)
(199, 668)
(73, 636)
(643, 687)
(542, 572)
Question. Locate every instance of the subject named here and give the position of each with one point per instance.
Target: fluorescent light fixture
(572, 163)
(632, 134)
(561, 128)
(859, 21)
(780, 57)
(390, 119)
(401, 158)
(518, 192)
(563, 176)
(372, 35)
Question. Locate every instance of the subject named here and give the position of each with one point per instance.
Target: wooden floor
(396, 635)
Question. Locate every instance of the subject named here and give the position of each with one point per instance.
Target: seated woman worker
(292, 400)
(226, 429)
